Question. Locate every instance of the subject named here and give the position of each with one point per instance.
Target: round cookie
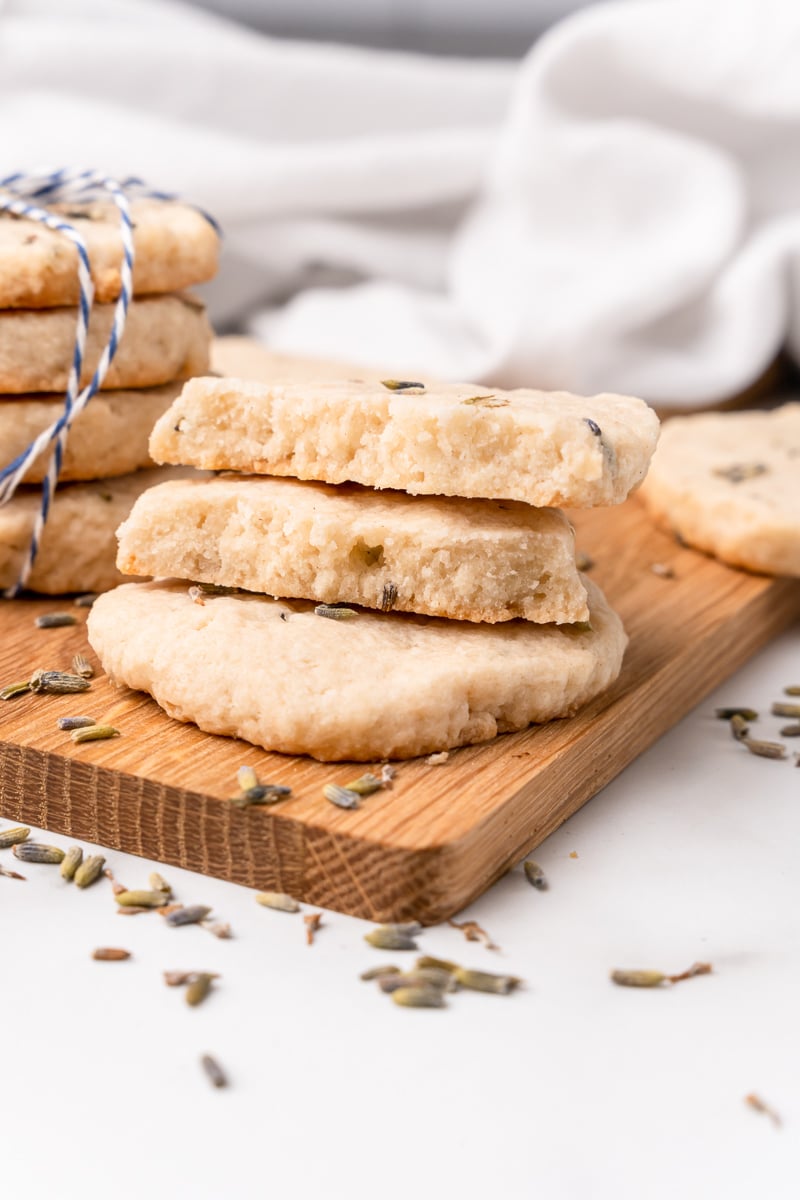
(450, 439)
(175, 247)
(472, 560)
(79, 546)
(729, 484)
(108, 438)
(165, 338)
(373, 686)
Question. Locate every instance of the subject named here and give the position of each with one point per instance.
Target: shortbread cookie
(374, 686)
(475, 560)
(729, 484)
(544, 448)
(175, 247)
(79, 545)
(165, 338)
(108, 438)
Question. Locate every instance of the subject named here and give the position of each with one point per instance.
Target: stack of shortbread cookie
(166, 340)
(430, 509)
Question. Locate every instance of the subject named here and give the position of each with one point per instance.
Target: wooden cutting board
(442, 834)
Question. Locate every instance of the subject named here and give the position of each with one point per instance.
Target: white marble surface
(570, 1088)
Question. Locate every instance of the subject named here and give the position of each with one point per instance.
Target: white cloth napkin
(620, 211)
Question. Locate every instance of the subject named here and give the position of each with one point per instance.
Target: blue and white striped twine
(22, 195)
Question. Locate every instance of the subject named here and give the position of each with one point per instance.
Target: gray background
(493, 28)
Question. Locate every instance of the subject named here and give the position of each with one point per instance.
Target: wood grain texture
(442, 834)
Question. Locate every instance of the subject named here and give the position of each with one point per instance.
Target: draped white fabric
(620, 211)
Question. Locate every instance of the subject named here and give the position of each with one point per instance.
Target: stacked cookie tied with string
(138, 354)
(406, 583)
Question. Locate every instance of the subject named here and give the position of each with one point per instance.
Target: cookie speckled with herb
(384, 685)
(474, 560)
(447, 439)
(729, 484)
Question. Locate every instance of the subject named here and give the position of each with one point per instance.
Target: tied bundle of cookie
(166, 340)
(384, 573)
